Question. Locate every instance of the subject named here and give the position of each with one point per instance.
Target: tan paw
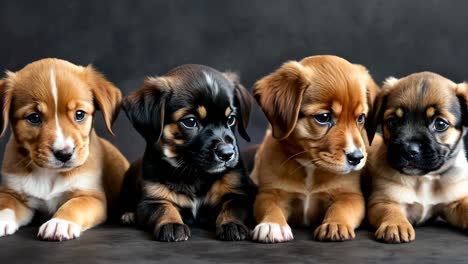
(395, 233)
(334, 232)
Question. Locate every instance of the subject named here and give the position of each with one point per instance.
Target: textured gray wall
(128, 40)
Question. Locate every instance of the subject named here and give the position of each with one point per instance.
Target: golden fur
(301, 167)
(78, 192)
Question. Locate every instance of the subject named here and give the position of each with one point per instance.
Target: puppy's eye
(231, 120)
(361, 118)
(392, 123)
(440, 125)
(80, 115)
(323, 119)
(190, 122)
(34, 119)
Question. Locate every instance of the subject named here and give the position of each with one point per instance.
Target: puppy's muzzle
(355, 157)
(411, 151)
(64, 154)
(224, 152)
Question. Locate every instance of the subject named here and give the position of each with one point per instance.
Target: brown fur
(97, 163)
(393, 206)
(295, 145)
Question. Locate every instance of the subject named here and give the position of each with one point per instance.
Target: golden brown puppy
(54, 162)
(419, 169)
(308, 166)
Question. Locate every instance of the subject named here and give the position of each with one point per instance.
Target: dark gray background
(128, 40)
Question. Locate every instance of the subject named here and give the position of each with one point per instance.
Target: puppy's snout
(411, 150)
(63, 155)
(224, 151)
(355, 157)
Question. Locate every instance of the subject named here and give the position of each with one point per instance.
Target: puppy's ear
(371, 92)
(462, 94)
(146, 107)
(107, 97)
(243, 102)
(378, 109)
(5, 104)
(280, 95)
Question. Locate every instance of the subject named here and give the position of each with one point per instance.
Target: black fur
(196, 166)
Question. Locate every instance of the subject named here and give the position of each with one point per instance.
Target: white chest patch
(45, 189)
(309, 181)
(196, 205)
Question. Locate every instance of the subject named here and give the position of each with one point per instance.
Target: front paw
(172, 232)
(8, 227)
(59, 230)
(395, 233)
(334, 232)
(272, 233)
(232, 232)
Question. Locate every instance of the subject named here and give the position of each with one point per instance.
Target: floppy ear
(280, 95)
(380, 103)
(371, 92)
(243, 102)
(462, 94)
(5, 97)
(107, 97)
(146, 107)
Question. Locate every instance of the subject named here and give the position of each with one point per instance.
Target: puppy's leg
(164, 219)
(344, 214)
(456, 213)
(390, 221)
(230, 221)
(13, 213)
(81, 211)
(272, 227)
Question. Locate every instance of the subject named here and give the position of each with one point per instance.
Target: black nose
(354, 157)
(63, 156)
(224, 151)
(411, 150)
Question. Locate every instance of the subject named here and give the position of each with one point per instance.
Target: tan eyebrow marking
(399, 112)
(430, 112)
(179, 114)
(228, 111)
(202, 111)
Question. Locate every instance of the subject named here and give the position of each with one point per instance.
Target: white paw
(59, 230)
(8, 225)
(272, 233)
(128, 218)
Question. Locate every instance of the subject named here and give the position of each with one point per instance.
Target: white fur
(8, 224)
(211, 83)
(390, 81)
(272, 233)
(46, 188)
(196, 205)
(59, 230)
(60, 142)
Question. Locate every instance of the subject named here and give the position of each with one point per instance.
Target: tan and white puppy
(309, 165)
(419, 170)
(54, 162)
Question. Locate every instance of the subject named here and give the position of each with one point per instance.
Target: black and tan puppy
(191, 172)
(419, 170)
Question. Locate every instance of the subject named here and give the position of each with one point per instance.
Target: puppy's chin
(414, 169)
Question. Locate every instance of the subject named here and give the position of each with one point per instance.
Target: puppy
(54, 162)
(309, 164)
(419, 168)
(190, 173)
